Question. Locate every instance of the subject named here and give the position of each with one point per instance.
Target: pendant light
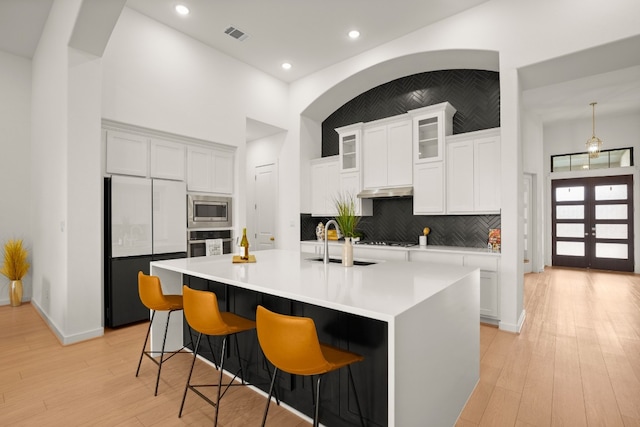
(594, 144)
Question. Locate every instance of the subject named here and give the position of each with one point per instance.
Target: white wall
(15, 167)
(66, 181)
(158, 78)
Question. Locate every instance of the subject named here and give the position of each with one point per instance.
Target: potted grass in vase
(15, 267)
(347, 222)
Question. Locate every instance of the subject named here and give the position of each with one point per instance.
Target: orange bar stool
(291, 344)
(203, 315)
(151, 295)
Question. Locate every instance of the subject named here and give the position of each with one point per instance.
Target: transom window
(618, 158)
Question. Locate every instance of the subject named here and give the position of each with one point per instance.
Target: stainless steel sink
(339, 261)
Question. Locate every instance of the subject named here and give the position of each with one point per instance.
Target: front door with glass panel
(592, 223)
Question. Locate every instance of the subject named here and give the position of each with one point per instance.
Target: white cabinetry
(351, 185)
(428, 189)
(489, 276)
(325, 185)
(127, 154)
(349, 139)
(350, 178)
(473, 172)
(209, 170)
(167, 160)
(430, 126)
(387, 153)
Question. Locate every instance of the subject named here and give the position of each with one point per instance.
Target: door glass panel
(570, 230)
(612, 250)
(570, 212)
(611, 231)
(611, 212)
(569, 194)
(611, 192)
(570, 248)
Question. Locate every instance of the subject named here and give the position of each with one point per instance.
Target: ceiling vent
(236, 33)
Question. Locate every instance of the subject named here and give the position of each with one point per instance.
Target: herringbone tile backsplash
(476, 96)
(393, 219)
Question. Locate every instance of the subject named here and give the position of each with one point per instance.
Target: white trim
(71, 339)
(510, 327)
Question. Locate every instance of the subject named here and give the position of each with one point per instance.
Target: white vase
(347, 253)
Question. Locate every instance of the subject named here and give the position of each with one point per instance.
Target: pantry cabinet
(473, 173)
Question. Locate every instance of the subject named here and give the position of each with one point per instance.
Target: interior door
(592, 223)
(266, 184)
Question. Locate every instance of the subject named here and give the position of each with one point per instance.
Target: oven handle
(202, 241)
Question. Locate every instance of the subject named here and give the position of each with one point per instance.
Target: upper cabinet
(325, 185)
(349, 138)
(209, 170)
(428, 189)
(167, 160)
(387, 153)
(430, 126)
(127, 154)
(473, 173)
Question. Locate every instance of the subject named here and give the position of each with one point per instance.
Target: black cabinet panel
(122, 301)
(361, 335)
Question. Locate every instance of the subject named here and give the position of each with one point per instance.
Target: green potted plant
(346, 217)
(347, 222)
(15, 267)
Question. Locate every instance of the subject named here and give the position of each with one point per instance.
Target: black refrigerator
(145, 220)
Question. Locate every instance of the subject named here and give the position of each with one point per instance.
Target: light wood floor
(576, 363)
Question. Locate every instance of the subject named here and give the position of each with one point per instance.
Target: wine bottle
(245, 244)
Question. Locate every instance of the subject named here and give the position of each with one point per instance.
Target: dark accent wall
(474, 93)
(476, 96)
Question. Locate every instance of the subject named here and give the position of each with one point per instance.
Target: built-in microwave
(204, 211)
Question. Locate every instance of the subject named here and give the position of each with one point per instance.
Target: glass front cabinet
(430, 126)
(350, 142)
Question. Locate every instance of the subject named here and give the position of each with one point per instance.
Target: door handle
(272, 238)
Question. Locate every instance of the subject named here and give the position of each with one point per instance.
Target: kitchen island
(422, 317)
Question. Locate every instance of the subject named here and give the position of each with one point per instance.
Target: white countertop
(381, 291)
(428, 248)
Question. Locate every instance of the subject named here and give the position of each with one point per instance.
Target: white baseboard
(515, 328)
(67, 339)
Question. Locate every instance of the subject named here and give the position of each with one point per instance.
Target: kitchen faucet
(326, 239)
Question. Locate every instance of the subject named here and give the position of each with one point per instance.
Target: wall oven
(197, 241)
(205, 211)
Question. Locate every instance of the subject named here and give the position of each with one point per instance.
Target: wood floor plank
(575, 363)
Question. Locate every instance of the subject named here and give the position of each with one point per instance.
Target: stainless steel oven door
(204, 211)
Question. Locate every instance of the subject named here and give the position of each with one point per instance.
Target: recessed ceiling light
(286, 66)
(354, 34)
(182, 9)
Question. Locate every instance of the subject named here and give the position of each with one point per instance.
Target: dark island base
(365, 336)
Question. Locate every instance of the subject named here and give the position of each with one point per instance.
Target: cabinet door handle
(272, 238)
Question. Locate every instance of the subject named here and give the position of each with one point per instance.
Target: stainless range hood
(378, 193)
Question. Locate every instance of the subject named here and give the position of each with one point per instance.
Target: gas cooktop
(386, 243)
